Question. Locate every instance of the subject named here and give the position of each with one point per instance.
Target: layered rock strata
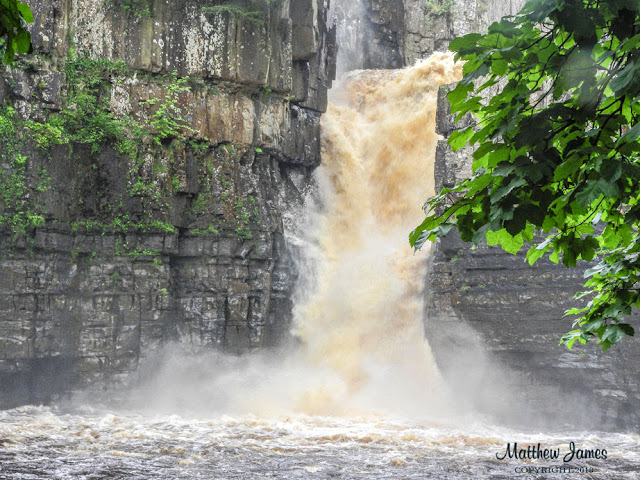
(150, 149)
(494, 323)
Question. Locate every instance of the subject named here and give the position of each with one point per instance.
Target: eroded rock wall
(494, 323)
(136, 231)
(397, 33)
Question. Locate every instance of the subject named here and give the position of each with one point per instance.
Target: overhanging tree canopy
(557, 149)
(14, 37)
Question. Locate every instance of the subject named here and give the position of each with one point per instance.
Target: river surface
(47, 443)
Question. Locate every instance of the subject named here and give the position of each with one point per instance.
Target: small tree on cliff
(14, 37)
(557, 149)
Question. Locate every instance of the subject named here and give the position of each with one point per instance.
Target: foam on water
(40, 442)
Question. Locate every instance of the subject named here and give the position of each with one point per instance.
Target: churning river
(40, 443)
(360, 397)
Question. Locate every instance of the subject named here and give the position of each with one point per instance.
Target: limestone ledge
(185, 37)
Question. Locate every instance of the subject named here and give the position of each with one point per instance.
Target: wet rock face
(397, 33)
(180, 236)
(494, 323)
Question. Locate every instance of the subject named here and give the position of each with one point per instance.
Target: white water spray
(363, 321)
(358, 315)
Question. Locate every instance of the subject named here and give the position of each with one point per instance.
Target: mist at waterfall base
(360, 347)
(357, 395)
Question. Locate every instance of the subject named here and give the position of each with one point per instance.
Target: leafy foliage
(434, 8)
(557, 149)
(87, 116)
(167, 120)
(140, 8)
(14, 37)
(236, 11)
(242, 10)
(17, 214)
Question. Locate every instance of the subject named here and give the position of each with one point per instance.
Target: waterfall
(363, 319)
(362, 367)
(349, 18)
(359, 305)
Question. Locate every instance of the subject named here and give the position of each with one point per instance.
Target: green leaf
(472, 72)
(9, 53)
(632, 134)
(535, 253)
(593, 324)
(458, 95)
(499, 67)
(571, 337)
(627, 329)
(609, 188)
(419, 239)
(511, 244)
(588, 193)
(610, 238)
(25, 11)
(459, 138)
(548, 224)
(613, 334)
(23, 41)
(465, 42)
(502, 192)
(567, 168)
(623, 79)
(493, 238)
(589, 246)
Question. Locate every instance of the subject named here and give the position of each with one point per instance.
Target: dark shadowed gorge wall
(148, 151)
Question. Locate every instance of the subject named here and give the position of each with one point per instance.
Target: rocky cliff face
(494, 324)
(397, 33)
(149, 149)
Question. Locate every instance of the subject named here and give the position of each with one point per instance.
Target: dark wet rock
(208, 264)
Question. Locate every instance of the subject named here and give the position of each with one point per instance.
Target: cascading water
(358, 315)
(349, 18)
(363, 319)
(360, 398)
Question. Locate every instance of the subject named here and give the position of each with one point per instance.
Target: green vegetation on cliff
(130, 160)
(17, 213)
(558, 149)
